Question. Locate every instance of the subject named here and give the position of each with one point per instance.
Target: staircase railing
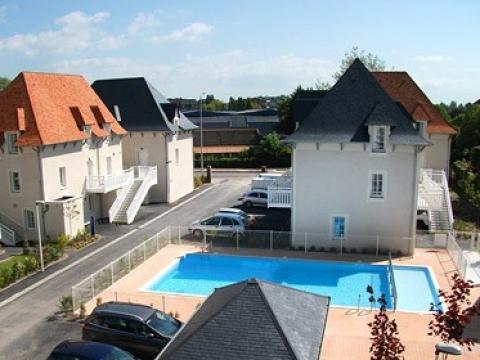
(447, 199)
(112, 212)
(7, 236)
(149, 175)
(436, 185)
(14, 226)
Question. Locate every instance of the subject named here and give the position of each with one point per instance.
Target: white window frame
(375, 142)
(12, 148)
(62, 176)
(332, 227)
(26, 220)
(11, 183)
(177, 156)
(384, 174)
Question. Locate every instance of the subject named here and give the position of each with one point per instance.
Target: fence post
(164, 303)
(144, 251)
(74, 298)
(271, 239)
(472, 237)
(237, 239)
(129, 262)
(179, 236)
(204, 241)
(92, 284)
(169, 234)
(157, 238)
(111, 270)
(378, 241)
(341, 246)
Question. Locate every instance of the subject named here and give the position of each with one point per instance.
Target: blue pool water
(200, 274)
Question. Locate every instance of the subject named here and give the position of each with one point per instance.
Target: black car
(87, 350)
(139, 329)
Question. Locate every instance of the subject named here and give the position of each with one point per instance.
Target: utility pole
(201, 133)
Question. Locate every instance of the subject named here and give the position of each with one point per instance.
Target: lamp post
(201, 133)
(38, 204)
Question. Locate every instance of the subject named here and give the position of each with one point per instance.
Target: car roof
(257, 191)
(89, 349)
(142, 312)
(228, 215)
(231, 211)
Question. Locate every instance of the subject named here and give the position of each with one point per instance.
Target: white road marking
(113, 242)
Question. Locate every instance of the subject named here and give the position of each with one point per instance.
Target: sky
(243, 48)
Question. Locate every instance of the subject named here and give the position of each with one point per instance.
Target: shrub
(63, 241)
(83, 311)
(333, 249)
(18, 270)
(65, 304)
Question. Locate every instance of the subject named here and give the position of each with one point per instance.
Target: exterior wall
(12, 205)
(330, 181)
(438, 155)
(181, 171)
(63, 217)
(174, 180)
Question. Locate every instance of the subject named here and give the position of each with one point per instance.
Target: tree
(322, 85)
(449, 325)
(4, 82)
(371, 61)
(386, 344)
(286, 123)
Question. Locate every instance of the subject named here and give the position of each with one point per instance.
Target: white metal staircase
(11, 232)
(131, 196)
(434, 198)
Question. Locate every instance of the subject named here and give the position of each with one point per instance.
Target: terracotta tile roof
(401, 87)
(52, 109)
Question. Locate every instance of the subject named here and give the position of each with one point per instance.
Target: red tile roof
(53, 108)
(401, 87)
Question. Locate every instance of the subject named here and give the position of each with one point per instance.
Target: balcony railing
(106, 183)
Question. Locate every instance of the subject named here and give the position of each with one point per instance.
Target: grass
(11, 260)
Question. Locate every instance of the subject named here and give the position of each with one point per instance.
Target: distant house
(224, 141)
(185, 104)
(159, 134)
(60, 147)
(252, 320)
(360, 153)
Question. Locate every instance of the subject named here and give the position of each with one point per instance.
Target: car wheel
(198, 234)
(248, 204)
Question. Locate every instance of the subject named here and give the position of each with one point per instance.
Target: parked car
(139, 329)
(218, 225)
(254, 198)
(88, 350)
(247, 219)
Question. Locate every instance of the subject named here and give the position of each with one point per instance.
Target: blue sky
(243, 48)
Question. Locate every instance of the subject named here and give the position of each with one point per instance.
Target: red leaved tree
(385, 341)
(449, 325)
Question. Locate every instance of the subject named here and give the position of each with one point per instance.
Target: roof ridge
(49, 73)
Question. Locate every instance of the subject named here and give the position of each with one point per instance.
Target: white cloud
(143, 20)
(432, 58)
(191, 33)
(77, 31)
(223, 74)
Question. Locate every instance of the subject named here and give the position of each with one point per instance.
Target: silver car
(218, 225)
(254, 198)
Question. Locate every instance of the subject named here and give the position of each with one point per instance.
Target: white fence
(468, 269)
(105, 183)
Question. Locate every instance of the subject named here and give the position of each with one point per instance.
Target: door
(141, 157)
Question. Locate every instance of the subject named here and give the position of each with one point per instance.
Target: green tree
(286, 124)
(4, 82)
(371, 61)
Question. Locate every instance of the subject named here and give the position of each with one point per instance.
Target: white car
(247, 219)
(220, 224)
(254, 198)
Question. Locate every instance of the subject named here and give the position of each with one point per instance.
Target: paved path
(28, 329)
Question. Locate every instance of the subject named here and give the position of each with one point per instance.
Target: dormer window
(379, 136)
(107, 128)
(11, 142)
(87, 129)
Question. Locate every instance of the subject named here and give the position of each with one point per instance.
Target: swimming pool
(199, 274)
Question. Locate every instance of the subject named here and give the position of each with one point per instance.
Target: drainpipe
(167, 170)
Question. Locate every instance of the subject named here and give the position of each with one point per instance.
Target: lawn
(9, 262)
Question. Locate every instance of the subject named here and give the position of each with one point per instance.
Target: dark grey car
(139, 329)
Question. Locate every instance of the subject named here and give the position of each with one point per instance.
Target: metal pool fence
(459, 254)
(305, 242)
(391, 280)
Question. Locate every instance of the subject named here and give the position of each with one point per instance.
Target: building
(61, 148)
(403, 89)
(360, 155)
(185, 104)
(253, 319)
(158, 134)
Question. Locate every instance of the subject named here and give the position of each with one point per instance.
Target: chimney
(116, 109)
(176, 118)
(422, 128)
(21, 119)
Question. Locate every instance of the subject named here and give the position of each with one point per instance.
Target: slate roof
(305, 102)
(344, 112)
(141, 106)
(402, 88)
(253, 319)
(213, 137)
(52, 109)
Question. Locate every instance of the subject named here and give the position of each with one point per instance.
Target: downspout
(413, 225)
(41, 224)
(167, 170)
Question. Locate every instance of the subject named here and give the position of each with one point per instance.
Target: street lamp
(38, 208)
(201, 133)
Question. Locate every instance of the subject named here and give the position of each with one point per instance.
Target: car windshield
(163, 323)
(117, 354)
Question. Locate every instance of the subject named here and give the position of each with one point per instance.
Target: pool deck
(347, 333)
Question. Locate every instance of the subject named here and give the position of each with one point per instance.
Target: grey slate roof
(253, 320)
(213, 137)
(142, 107)
(344, 113)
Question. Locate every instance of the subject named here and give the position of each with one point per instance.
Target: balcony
(106, 183)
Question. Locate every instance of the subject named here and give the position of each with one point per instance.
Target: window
(339, 227)
(15, 185)
(377, 185)
(263, 195)
(115, 323)
(213, 221)
(177, 157)
(379, 134)
(11, 140)
(62, 173)
(29, 217)
(227, 222)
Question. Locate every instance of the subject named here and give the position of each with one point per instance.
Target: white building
(357, 170)
(60, 150)
(159, 134)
